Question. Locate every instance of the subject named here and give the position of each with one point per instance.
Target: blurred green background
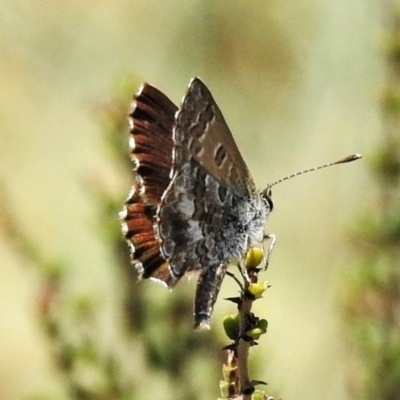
(297, 82)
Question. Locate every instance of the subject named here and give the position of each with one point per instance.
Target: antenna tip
(350, 158)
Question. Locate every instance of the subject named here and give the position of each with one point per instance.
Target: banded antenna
(345, 160)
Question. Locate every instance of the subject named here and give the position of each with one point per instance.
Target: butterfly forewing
(201, 133)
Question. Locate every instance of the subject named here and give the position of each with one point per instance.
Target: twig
(244, 328)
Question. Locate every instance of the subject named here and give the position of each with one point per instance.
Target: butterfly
(194, 205)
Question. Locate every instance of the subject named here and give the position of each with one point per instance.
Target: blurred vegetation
(294, 80)
(372, 306)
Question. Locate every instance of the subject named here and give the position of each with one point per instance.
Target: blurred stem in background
(372, 306)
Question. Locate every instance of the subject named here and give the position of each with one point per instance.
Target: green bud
(259, 330)
(231, 326)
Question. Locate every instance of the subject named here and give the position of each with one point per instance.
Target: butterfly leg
(272, 238)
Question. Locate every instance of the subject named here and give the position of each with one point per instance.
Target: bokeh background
(298, 83)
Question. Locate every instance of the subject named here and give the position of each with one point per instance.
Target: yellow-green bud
(258, 289)
(254, 257)
(224, 389)
(257, 395)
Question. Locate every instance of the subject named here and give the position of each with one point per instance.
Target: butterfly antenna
(345, 160)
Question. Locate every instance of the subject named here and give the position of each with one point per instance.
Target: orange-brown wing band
(152, 120)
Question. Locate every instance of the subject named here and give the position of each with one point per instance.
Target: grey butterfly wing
(202, 134)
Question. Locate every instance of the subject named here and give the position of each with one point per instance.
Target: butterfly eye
(266, 196)
(270, 203)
